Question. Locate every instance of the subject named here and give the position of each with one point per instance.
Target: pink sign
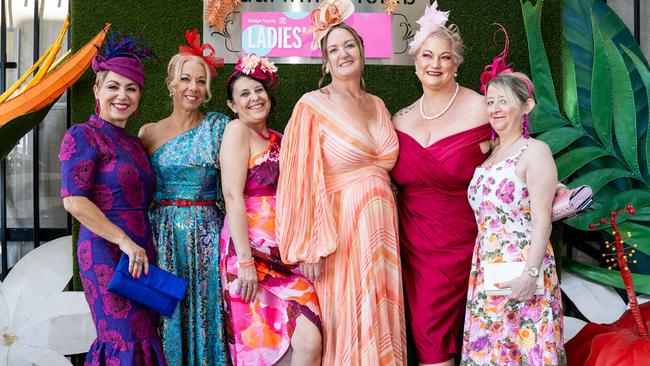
(277, 34)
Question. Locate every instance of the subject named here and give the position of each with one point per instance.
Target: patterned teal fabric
(187, 240)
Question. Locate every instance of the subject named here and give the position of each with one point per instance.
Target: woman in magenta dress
(443, 136)
(107, 183)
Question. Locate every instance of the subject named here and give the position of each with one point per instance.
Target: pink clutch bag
(570, 203)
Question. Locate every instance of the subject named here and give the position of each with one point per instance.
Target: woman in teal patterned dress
(188, 211)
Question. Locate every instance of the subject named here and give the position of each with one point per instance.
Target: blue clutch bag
(159, 290)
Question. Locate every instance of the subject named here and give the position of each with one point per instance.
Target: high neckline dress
(102, 162)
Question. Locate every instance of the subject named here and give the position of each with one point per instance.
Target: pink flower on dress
(104, 274)
(116, 306)
(531, 311)
(84, 255)
(105, 334)
(137, 153)
(102, 196)
(113, 361)
(129, 180)
(506, 190)
(83, 174)
(98, 140)
(68, 147)
(524, 193)
(512, 318)
(495, 224)
(107, 160)
(141, 323)
(134, 222)
(90, 290)
(487, 187)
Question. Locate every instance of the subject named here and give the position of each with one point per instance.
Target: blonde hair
(515, 85)
(100, 77)
(176, 65)
(450, 33)
(359, 42)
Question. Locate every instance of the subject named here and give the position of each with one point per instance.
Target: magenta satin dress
(437, 235)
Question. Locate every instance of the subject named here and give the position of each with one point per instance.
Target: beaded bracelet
(248, 263)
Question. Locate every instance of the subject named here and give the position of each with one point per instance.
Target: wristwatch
(532, 271)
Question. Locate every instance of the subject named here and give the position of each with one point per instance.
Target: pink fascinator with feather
(328, 14)
(500, 64)
(430, 21)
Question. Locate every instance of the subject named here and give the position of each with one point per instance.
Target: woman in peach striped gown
(336, 215)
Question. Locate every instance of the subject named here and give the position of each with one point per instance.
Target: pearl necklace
(436, 116)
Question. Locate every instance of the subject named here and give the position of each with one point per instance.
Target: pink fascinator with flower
(258, 68)
(328, 14)
(430, 21)
(500, 64)
(195, 48)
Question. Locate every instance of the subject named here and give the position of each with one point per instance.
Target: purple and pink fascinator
(328, 14)
(430, 21)
(258, 68)
(499, 64)
(123, 53)
(195, 48)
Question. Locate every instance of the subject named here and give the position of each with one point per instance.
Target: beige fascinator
(328, 14)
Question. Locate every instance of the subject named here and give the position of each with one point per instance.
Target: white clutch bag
(506, 271)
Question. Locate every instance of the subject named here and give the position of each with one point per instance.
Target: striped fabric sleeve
(305, 227)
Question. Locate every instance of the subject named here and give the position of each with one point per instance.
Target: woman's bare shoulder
(404, 115)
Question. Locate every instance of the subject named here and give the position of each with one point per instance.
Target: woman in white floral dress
(511, 195)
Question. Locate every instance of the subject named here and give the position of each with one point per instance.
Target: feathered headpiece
(123, 53)
(217, 11)
(194, 47)
(430, 21)
(500, 64)
(258, 68)
(328, 14)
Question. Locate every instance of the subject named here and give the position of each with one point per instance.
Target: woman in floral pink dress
(270, 307)
(511, 195)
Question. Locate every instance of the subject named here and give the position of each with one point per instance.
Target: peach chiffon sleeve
(305, 227)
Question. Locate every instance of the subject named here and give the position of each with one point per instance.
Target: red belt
(185, 203)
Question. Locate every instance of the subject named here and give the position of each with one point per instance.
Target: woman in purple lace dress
(107, 183)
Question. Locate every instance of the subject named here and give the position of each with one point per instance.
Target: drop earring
(526, 124)
(98, 109)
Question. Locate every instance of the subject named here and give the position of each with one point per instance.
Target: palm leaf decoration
(600, 134)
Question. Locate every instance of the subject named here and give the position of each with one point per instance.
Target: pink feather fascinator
(430, 21)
